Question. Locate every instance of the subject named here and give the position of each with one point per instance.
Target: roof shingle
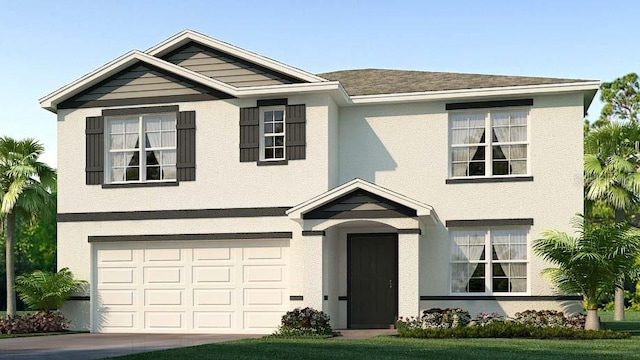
(383, 81)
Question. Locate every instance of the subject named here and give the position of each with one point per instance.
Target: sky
(48, 44)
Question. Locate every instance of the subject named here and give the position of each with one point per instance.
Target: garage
(232, 286)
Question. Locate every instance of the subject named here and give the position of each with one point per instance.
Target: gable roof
(382, 81)
(186, 36)
(421, 209)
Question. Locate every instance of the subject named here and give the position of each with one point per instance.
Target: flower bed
(38, 322)
(305, 322)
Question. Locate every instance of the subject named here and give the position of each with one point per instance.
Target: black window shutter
(186, 146)
(249, 134)
(296, 132)
(94, 169)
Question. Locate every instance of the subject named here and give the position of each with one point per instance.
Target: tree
(621, 99)
(591, 261)
(25, 185)
(612, 160)
(43, 290)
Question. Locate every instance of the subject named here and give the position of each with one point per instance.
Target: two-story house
(205, 188)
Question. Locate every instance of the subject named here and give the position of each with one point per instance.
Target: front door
(372, 280)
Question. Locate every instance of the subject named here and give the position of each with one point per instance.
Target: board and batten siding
(225, 67)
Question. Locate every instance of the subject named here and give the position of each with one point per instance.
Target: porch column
(408, 272)
(312, 269)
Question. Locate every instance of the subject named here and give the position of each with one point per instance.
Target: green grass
(4, 313)
(631, 323)
(386, 347)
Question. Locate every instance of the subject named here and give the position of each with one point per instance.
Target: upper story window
(272, 144)
(489, 261)
(489, 143)
(141, 148)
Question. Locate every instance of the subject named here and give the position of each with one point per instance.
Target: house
(204, 188)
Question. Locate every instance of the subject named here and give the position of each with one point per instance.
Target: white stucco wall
(220, 177)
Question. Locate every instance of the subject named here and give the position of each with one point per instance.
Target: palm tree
(25, 183)
(612, 177)
(593, 260)
(45, 290)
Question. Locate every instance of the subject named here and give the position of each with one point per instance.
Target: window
(503, 153)
(272, 145)
(132, 160)
(489, 261)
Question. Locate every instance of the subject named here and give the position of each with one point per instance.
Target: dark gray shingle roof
(382, 81)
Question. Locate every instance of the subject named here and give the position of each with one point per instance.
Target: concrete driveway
(98, 346)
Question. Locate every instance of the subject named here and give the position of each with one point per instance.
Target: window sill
(269, 163)
(136, 185)
(488, 180)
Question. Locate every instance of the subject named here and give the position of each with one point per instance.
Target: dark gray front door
(372, 280)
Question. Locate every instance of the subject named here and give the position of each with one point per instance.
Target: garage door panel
(260, 320)
(257, 273)
(114, 276)
(156, 320)
(163, 275)
(116, 297)
(211, 254)
(164, 297)
(213, 319)
(259, 253)
(263, 297)
(211, 274)
(172, 255)
(118, 320)
(215, 297)
(199, 287)
(107, 256)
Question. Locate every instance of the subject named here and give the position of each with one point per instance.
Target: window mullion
(488, 138)
(143, 158)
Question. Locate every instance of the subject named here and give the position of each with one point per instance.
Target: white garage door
(236, 286)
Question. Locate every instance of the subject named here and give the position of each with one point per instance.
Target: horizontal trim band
(488, 104)
(343, 298)
(272, 102)
(140, 110)
(193, 237)
(312, 233)
(489, 222)
(138, 185)
(269, 163)
(173, 214)
(410, 231)
(504, 298)
(296, 298)
(359, 214)
(489, 180)
(141, 101)
(79, 298)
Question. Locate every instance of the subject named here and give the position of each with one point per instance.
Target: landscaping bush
(305, 322)
(506, 329)
(38, 322)
(443, 318)
(549, 318)
(484, 319)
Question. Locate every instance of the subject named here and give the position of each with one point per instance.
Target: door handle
(390, 284)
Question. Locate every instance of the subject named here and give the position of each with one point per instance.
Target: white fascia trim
(50, 101)
(474, 93)
(189, 35)
(287, 88)
(297, 211)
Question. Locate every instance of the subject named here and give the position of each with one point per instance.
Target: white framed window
(489, 143)
(131, 160)
(272, 131)
(489, 261)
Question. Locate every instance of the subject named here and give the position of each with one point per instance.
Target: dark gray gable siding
(225, 67)
(360, 204)
(94, 133)
(142, 84)
(296, 132)
(249, 134)
(186, 146)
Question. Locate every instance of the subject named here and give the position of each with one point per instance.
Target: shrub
(484, 319)
(305, 322)
(550, 318)
(42, 290)
(444, 318)
(38, 322)
(507, 329)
